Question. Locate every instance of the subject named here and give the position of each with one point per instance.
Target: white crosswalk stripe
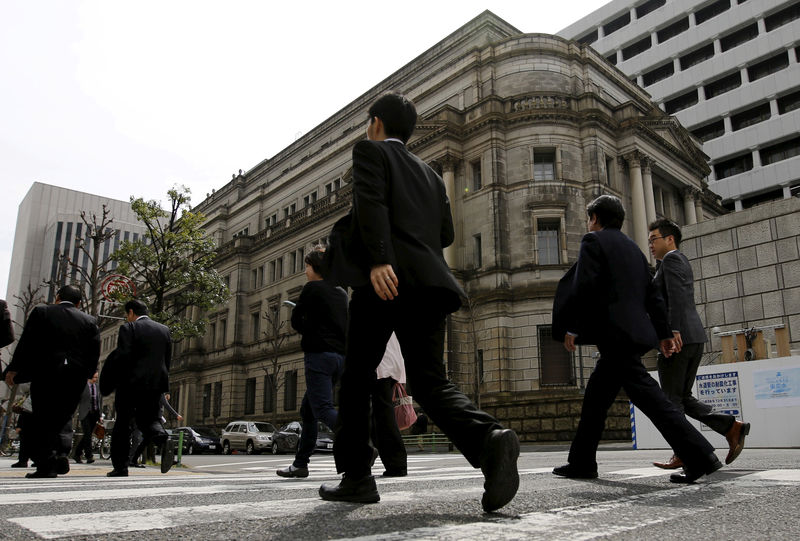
(269, 496)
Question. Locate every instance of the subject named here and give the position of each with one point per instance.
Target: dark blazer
(143, 356)
(608, 299)
(320, 316)
(392, 189)
(675, 280)
(85, 405)
(55, 333)
(6, 326)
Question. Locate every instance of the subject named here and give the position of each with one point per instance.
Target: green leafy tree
(172, 264)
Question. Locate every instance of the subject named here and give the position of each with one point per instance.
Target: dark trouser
(419, 323)
(322, 372)
(87, 426)
(385, 434)
(137, 444)
(143, 406)
(24, 425)
(677, 375)
(624, 369)
(54, 400)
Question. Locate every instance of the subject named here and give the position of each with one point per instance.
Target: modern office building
(525, 130)
(48, 225)
(728, 70)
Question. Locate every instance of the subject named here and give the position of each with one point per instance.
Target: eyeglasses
(651, 239)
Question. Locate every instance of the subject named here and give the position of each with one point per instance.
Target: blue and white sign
(720, 390)
(777, 388)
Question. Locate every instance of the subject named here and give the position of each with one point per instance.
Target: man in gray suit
(675, 280)
(88, 414)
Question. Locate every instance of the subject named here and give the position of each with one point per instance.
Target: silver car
(248, 436)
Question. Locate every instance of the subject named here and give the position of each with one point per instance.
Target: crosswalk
(92, 507)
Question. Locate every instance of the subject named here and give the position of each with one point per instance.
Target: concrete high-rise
(48, 224)
(727, 70)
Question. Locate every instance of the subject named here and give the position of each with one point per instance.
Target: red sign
(117, 283)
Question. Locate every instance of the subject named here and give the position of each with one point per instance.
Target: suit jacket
(85, 405)
(53, 334)
(675, 280)
(608, 299)
(400, 216)
(143, 356)
(6, 327)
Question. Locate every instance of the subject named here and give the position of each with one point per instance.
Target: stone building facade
(525, 129)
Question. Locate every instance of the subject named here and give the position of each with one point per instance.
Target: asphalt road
(240, 497)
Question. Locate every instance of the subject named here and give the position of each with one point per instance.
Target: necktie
(94, 396)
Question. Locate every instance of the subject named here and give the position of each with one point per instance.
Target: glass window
(751, 116)
(269, 394)
(789, 102)
(255, 325)
(290, 390)
(658, 74)
(782, 17)
(710, 131)
(695, 57)
(781, 151)
(711, 11)
(723, 85)
(636, 48)
(617, 23)
(547, 248)
(648, 7)
(544, 164)
(589, 38)
(217, 399)
(733, 166)
(768, 66)
(249, 396)
(555, 362)
(477, 251)
(669, 32)
(207, 400)
(476, 175)
(681, 102)
(743, 35)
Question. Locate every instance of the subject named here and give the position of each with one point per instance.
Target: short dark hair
(668, 228)
(316, 258)
(608, 211)
(139, 308)
(70, 294)
(398, 114)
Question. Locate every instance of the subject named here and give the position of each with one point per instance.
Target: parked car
(199, 440)
(287, 438)
(248, 436)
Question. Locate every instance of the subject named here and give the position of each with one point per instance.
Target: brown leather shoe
(672, 464)
(735, 437)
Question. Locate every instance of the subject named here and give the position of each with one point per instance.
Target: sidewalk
(98, 469)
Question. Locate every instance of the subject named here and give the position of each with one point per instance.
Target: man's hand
(667, 347)
(676, 337)
(384, 281)
(10, 378)
(569, 342)
(180, 417)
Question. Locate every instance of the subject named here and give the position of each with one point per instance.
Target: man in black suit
(675, 280)
(6, 326)
(608, 299)
(58, 351)
(389, 249)
(88, 414)
(142, 357)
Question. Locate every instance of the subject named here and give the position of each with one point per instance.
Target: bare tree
(275, 336)
(477, 353)
(27, 300)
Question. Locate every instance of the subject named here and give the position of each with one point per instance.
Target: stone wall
(747, 271)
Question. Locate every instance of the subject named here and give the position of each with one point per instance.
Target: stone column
(649, 199)
(688, 205)
(698, 207)
(449, 178)
(639, 214)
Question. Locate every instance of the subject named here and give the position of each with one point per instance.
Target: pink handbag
(403, 407)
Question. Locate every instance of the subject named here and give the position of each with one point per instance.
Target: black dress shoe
(690, 476)
(117, 473)
(499, 467)
(394, 473)
(39, 474)
(361, 490)
(90, 460)
(167, 455)
(20, 464)
(573, 472)
(62, 465)
(292, 471)
(138, 465)
(78, 460)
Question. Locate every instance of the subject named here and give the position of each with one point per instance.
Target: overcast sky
(129, 98)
